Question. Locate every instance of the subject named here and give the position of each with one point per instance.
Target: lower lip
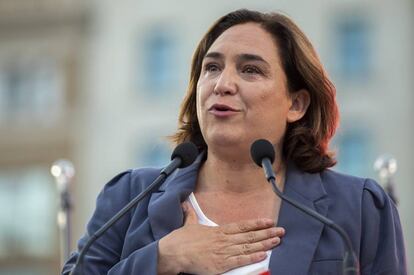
(223, 114)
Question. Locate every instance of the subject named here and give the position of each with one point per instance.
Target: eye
(251, 70)
(211, 67)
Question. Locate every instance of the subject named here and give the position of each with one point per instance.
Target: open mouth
(222, 108)
(223, 111)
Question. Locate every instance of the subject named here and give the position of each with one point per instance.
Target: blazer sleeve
(382, 246)
(104, 255)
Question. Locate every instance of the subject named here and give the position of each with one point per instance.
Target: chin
(226, 139)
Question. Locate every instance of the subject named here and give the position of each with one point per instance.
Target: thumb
(190, 216)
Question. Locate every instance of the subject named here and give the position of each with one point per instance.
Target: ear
(300, 101)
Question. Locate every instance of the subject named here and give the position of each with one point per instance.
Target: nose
(226, 83)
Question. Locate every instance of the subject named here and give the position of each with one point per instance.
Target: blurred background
(100, 83)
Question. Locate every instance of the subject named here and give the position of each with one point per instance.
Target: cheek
(265, 103)
(198, 105)
(201, 96)
(272, 108)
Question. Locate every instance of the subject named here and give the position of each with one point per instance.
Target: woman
(253, 76)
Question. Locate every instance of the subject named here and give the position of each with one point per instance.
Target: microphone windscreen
(261, 149)
(187, 152)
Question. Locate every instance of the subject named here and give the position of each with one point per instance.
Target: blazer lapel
(295, 253)
(164, 209)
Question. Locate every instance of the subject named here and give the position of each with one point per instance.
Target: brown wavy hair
(306, 140)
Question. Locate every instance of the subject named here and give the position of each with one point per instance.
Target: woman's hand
(200, 249)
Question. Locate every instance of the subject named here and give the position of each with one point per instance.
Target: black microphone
(183, 155)
(263, 154)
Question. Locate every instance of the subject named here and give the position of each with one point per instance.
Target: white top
(252, 269)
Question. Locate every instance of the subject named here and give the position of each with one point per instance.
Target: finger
(246, 226)
(242, 260)
(250, 248)
(281, 232)
(190, 217)
(257, 236)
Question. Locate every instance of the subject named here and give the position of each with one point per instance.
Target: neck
(235, 174)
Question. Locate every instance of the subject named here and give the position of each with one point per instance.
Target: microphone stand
(63, 172)
(350, 262)
(184, 155)
(386, 166)
(155, 184)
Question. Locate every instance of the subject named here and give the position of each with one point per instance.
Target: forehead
(248, 38)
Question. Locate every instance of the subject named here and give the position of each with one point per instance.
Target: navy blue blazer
(360, 206)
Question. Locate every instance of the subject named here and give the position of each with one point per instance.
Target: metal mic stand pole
(63, 172)
(386, 166)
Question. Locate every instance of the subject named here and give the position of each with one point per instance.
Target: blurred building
(41, 45)
(100, 83)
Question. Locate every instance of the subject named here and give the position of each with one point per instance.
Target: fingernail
(275, 240)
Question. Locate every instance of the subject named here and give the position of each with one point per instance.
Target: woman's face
(241, 92)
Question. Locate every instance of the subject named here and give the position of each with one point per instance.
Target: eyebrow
(251, 57)
(215, 55)
(242, 57)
